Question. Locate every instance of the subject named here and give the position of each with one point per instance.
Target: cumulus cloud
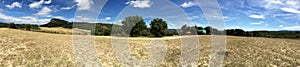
(44, 11)
(140, 3)
(13, 5)
(188, 4)
(257, 16)
(291, 10)
(84, 4)
(48, 2)
(36, 4)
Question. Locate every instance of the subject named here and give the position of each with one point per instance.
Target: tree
(208, 30)
(158, 27)
(135, 26)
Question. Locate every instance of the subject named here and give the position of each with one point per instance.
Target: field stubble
(24, 48)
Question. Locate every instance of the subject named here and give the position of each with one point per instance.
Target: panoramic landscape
(151, 33)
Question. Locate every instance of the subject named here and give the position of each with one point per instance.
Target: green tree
(158, 27)
(135, 26)
(208, 30)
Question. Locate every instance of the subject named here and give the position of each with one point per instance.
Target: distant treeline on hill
(134, 26)
(29, 27)
(158, 28)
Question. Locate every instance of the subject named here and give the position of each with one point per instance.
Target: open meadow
(36, 49)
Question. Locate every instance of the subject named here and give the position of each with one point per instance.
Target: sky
(243, 14)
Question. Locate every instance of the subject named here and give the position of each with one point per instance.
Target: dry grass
(27, 49)
(58, 30)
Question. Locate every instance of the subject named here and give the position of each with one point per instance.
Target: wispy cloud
(36, 4)
(67, 8)
(59, 17)
(291, 10)
(257, 16)
(257, 23)
(292, 28)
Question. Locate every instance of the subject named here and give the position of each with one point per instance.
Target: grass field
(36, 49)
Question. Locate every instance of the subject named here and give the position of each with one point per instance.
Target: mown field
(36, 49)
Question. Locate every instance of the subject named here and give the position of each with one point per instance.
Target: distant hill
(65, 24)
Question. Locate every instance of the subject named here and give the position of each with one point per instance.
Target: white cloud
(67, 8)
(108, 18)
(28, 17)
(13, 5)
(280, 26)
(59, 17)
(119, 21)
(188, 4)
(293, 3)
(24, 19)
(291, 10)
(44, 11)
(257, 23)
(48, 2)
(290, 2)
(257, 16)
(266, 24)
(292, 28)
(84, 4)
(81, 18)
(140, 3)
(36, 4)
(275, 1)
(237, 27)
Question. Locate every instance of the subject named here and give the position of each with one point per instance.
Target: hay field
(35, 49)
(57, 30)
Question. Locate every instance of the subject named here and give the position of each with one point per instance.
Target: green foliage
(29, 27)
(276, 34)
(102, 30)
(158, 27)
(236, 32)
(135, 26)
(171, 32)
(208, 30)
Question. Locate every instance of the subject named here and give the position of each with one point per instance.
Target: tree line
(135, 26)
(29, 27)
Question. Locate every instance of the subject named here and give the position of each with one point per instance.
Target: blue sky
(245, 14)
